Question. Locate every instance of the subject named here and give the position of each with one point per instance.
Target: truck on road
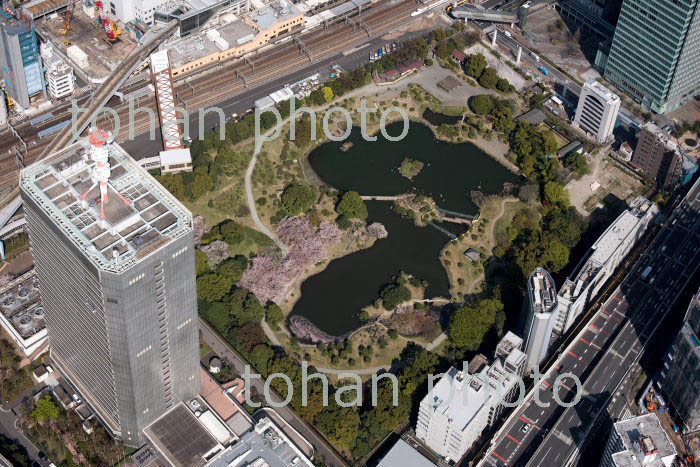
(646, 272)
(544, 70)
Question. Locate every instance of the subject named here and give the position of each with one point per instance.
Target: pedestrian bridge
(478, 14)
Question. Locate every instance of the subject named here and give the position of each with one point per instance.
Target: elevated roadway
(478, 14)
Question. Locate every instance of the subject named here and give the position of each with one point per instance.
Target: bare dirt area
(611, 180)
(549, 34)
(497, 63)
(688, 112)
(427, 22)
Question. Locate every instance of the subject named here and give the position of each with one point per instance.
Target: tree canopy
(352, 206)
(470, 324)
(298, 198)
(213, 287)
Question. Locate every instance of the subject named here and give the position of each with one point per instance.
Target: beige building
(235, 37)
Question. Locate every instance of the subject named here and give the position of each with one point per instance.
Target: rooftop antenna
(99, 154)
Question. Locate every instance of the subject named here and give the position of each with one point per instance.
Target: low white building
(22, 315)
(600, 262)
(173, 161)
(464, 403)
(597, 111)
(639, 442)
(59, 75)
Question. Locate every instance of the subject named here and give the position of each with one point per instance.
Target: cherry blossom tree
(268, 278)
(377, 230)
(216, 252)
(199, 228)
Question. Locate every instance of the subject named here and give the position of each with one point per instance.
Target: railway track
(209, 87)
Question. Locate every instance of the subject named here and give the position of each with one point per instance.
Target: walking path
(251, 199)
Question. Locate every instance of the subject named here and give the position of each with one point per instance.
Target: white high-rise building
(541, 309)
(59, 75)
(597, 111)
(600, 262)
(463, 403)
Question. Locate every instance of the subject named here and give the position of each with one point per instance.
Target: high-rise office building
(114, 253)
(453, 416)
(541, 311)
(20, 61)
(655, 54)
(597, 111)
(680, 376)
(658, 156)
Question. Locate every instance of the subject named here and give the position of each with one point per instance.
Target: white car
(526, 427)
(507, 34)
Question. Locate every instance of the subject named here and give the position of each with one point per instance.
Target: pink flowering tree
(377, 230)
(268, 278)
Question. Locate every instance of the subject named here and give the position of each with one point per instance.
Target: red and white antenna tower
(99, 154)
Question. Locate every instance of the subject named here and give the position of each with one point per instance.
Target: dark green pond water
(438, 119)
(333, 298)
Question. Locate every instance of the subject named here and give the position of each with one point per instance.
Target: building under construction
(84, 34)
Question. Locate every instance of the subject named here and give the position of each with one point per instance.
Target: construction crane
(113, 31)
(67, 20)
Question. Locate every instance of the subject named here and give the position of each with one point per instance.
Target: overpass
(98, 100)
(472, 13)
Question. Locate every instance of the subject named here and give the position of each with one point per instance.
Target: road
(8, 427)
(606, 348)
(223, 349)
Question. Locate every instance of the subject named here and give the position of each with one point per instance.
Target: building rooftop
(115, 234)
(266, 445)
(181, 438)
(646, 443)
(232, 34)
(607, 244)
(624, 225)
(266, 17)
(402, 454)
(601, 91)
(534, 116)
(542, 292)
(21, 307)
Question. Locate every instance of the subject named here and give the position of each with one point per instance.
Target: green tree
(327, 93)
(233, 268)
(175, 184)
(504, 86)
(46, 410)
(489, 78)
(298, 198)
(232, 232)
(470, 324)
(340, 424)
(213, 287)
(201, 185)
(273, 314)
(482, 104)
(556, 193)
(352, 206)
(202, 265)
(475, 65)
(394, 295)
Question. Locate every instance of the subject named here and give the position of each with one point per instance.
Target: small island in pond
(410, 168)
